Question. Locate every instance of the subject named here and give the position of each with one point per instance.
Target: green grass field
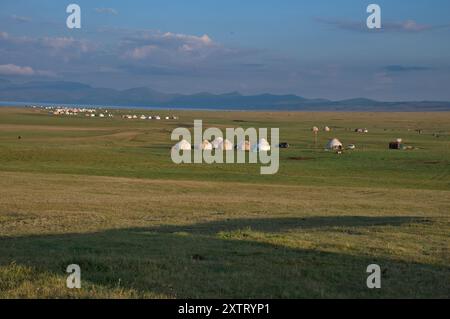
(104, 194)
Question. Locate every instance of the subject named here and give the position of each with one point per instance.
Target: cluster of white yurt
(145, 117)
(224, 145)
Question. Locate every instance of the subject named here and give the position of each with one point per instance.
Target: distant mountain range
(78, 93)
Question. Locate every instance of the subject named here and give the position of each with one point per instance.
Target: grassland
(104, 194)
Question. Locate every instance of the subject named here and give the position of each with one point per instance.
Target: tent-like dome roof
(182, 145)
(217, 141)
(225, 145)
(205, 145)
(334, 144)
(262, 145)
(244, 146)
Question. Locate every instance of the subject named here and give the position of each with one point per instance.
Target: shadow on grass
(290, 223)
(195, 261)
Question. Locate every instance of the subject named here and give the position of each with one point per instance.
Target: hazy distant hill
(78, 93)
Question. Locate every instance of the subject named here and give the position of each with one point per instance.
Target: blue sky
(310, 48)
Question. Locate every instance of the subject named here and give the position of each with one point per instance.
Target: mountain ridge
(67, 92)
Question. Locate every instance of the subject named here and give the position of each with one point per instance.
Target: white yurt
(262, 145)
(226, 145)
(244, 146)
(205, 145)
(217, 141)
(182, 145)
(334, 144)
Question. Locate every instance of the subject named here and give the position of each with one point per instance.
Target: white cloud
(12, 69)
(148, 44)
(203, 40)
(65, 47)
(62, 43)
(20, 18)
(142, 52)
(107, 11)
(408, 26)
(3, 35)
